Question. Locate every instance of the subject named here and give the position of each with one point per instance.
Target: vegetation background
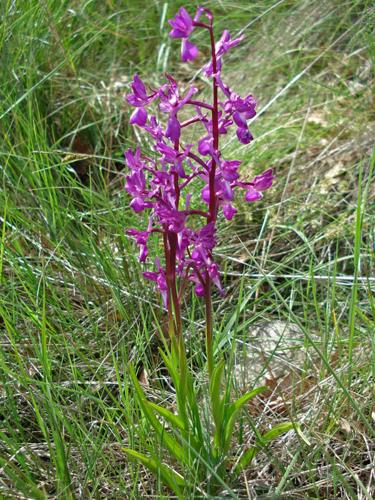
(74, 308)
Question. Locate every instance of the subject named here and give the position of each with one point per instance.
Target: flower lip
(189, 51)
(252, 194)
(264, 181)
(244, 135)
(138, 117)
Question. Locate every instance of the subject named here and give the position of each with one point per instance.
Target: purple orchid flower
(183, 26)
(161, 183)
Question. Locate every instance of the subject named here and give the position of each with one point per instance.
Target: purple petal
(252, 194)
(204, 146)
(244, 135)
(213, 271)
(226, 190)
(173, 131)
(182, 24)
(138, 205)
(139, 87)
(229, 170)
(206, 194)
(239, 119)
(138, 117)
(152, 276)
(139, 95)
(143, 253)
(264, 180)
(229, 211)
(189, 51)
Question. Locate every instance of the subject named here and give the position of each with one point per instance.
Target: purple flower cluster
(161, 182)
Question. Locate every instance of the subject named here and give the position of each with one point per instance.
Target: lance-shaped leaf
(217, 403)
(170, 417)
(171, 362)
(233, 411)
(262, 441)
(216, 400)
(171, 444)
(169, 477)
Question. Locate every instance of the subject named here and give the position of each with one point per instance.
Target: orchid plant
(163, 183)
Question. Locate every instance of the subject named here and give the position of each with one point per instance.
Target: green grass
(74, 309)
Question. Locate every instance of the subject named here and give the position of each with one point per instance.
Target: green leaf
(234, 409)
(170, 417)
(262, 441)
(246, 459)
(170, 366)
(170, 443)
(169, 477)
(276, 431)
(20, 480)
(216, 401)
(170, 363)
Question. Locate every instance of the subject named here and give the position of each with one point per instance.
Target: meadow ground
(74, 308)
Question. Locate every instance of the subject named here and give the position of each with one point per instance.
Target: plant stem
(200, 104)
(171, 325)
(212, 206)
(209, 327)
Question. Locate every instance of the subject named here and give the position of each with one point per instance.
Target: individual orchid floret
(241, 110)
(141, 238)
(159, 277)
(183, 26)
(171, 219)
(154, 128)
(139, 97)
(260, 183)
(226, 43)
(222, 46)
(170, 99)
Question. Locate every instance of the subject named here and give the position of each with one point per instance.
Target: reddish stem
(196, 212)
(190, 178)
(215, 128)
(190, 122)
(197, 159)
(200, 104)
(212, 204)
